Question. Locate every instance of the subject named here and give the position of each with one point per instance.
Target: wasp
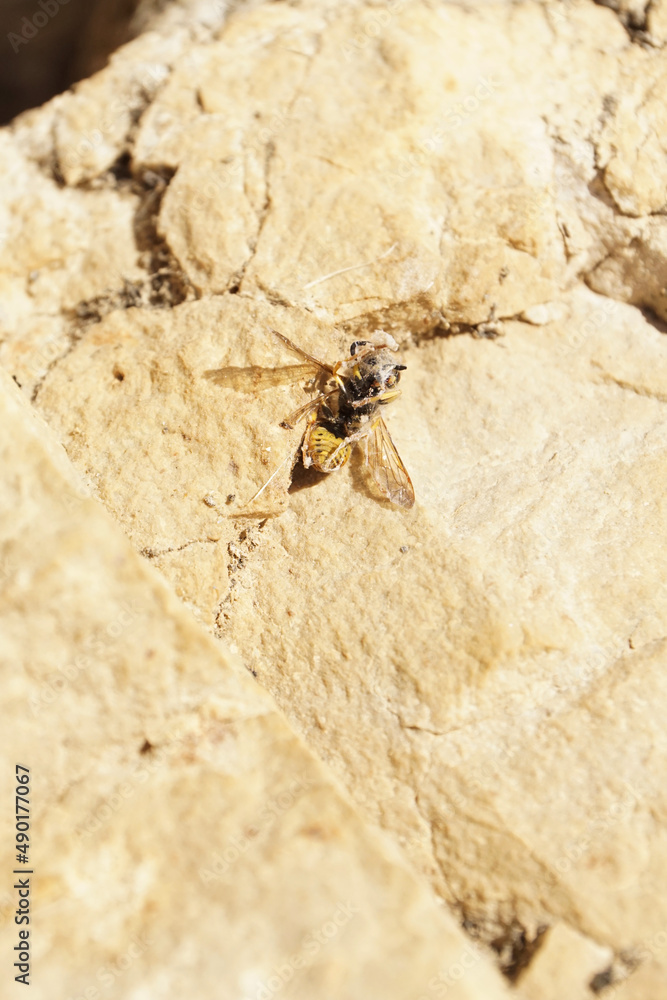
(346, 410)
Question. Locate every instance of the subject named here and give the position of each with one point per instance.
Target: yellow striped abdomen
(325, 451)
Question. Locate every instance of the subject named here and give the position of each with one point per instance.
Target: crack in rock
(634, 21)
(236, 280)
(248, 540)
(149, 553)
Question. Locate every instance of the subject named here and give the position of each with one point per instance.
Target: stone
(634, 265)
(86, 144)
(180, 831)
(657, 20)
(564, 966)
(648, 982)
(482, 674)
(545, 312)
(631, 147)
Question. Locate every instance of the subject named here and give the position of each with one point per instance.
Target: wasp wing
(254, 378)
(303, 411)
(386, 466)
(320, 365)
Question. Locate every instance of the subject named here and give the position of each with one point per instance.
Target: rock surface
(565, 965)
(183, 837)
(484, 673)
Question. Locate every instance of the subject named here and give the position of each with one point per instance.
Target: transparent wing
(386, 467)
(320, 365)
(254, 378)
(313, 404)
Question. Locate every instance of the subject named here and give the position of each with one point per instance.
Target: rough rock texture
(184, 840)
(565, 964)
(485, 673)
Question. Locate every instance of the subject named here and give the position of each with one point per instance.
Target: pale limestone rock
(632, 147)
(564, 966)
(546, 312)
(636, 270)
(199, 17)
(649, 981)
(149, 364)
(57, 251)
(485, 672)
(87, 143)
(212, 237)
(631, 13)
(183, 840)
(657, 20)
(400, 178)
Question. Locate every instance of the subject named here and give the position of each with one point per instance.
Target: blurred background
(49, 44)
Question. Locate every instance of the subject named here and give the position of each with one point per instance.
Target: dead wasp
(345, 411)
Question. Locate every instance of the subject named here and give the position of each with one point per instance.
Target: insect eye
(391, 381)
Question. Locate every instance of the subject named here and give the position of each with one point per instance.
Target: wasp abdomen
(326, 451)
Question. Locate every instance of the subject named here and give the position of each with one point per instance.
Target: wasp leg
(305, 453)
(338, 456)
(383, 397)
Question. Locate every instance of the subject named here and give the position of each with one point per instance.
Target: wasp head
(354, 347)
